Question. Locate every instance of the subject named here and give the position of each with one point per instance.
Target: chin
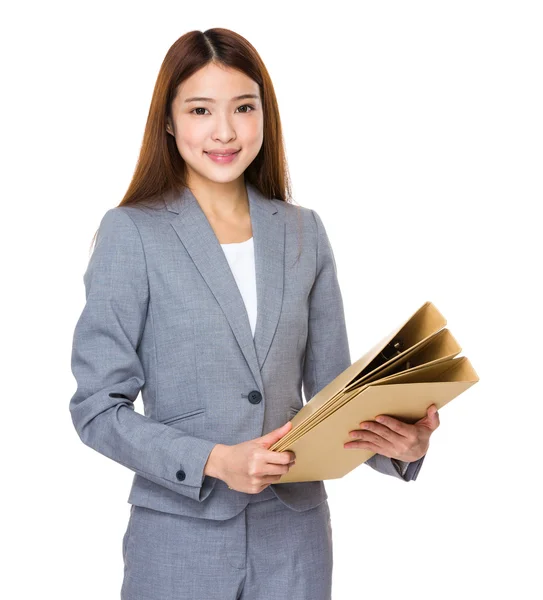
(224, 177)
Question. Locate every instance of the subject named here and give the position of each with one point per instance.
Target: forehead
(219, 83)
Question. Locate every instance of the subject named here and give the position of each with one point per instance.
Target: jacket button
(180, 475)
(255, 397)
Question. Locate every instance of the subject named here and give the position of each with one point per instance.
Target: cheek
(252, 136)
(254, 131)
(193, 137)
(190, 148)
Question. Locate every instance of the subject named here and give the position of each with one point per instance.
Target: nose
(224, 130)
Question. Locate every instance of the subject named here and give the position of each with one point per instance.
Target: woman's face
(221, 121)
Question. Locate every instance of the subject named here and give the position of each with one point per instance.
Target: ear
(169, 127)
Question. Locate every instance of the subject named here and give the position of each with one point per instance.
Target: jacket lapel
(200, 241)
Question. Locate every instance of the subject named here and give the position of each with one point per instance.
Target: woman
(203, 238)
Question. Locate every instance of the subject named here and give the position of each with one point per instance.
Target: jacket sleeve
(408, 471)
(109, 373)
(327, 349)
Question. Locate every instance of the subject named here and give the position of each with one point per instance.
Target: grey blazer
(164, 316)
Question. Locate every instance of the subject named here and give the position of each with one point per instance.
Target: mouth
(222, 153)
(222, 158)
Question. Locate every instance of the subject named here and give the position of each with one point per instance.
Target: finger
(275, 470)
(363, 445)
(279, 458)
(373, 432)
(269, 479)
(397, 426)
(394, 445)
(274, 473)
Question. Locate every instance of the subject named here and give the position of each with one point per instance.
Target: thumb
(434, 416)
(270, 438)
(431, 419)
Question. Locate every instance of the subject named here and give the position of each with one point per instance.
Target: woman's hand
(396, 439)
(250, 467)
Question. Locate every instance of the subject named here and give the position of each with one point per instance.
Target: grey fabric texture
(266, 552)
(164, 316)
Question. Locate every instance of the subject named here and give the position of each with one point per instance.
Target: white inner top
(241, 258)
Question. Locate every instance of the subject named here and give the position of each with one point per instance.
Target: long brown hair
(160, 168)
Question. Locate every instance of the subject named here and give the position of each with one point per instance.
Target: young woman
(217, 298)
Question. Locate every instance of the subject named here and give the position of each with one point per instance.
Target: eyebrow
(202, 99)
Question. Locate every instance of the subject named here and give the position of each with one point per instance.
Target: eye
(242, 106)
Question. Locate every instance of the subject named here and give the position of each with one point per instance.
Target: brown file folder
(410, 369)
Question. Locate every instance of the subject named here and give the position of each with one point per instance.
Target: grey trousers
(266, 552)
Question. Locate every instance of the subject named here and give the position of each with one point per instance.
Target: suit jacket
(164, 317)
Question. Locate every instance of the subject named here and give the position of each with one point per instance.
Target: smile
(223, 158)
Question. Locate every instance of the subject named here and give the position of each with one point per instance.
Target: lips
(223, 153)
(223, 159)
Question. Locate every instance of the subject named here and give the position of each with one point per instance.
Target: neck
(221, 199)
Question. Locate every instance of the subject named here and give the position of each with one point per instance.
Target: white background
(415, 130)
